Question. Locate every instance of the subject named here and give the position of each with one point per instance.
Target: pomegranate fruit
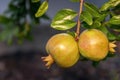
(63, 49)
(93, 44)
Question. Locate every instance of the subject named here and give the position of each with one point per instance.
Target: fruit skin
(93, 44)
(64, 49)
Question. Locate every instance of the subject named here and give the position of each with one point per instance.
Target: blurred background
(23, 61)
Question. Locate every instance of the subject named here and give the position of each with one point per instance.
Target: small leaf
(115, 27)
(72, 33)
(26, 29)
(65, 14)
(115, 20)
(102, 17)
(111, 36)
(116, 10)
(75, 0)
(63, 24)
(96, 24)
(63, 19)
(93, 10)
(42, 9)
(9, 41)
(118, 37)
(109, 4)
(34, 1)
(13, 7)
(4, 20)
(116, 30)
(7, 34)
(87, 17)
(104, 29)
(85, 25)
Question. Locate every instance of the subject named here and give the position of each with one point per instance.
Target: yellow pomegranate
(63, 49)
(93, 44)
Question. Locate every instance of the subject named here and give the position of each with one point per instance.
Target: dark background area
(23, 62)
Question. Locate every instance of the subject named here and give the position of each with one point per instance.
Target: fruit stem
(78, 21)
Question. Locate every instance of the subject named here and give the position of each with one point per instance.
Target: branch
(78, 22)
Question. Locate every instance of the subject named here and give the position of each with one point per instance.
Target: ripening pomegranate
(63, 49)
(93, 44)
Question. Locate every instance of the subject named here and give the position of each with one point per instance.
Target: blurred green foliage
(19, 19)
(15, 22)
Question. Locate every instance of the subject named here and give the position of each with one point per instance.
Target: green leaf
(115, 27)
(7, 34)
(115, 20)
(34, 1)
(75, 0)
(104, 29)
(96, 24)
(65, 14)
(87, 17)
(63, 24)
(85, 25)
(111, 36)
(63, 19)
(4, 20)
(118, 37)
(92, 9)
(117, 30)
(42, 9)
(102, 17)
(116, 10)
(13, 7)
(72, 33)
(109, 4)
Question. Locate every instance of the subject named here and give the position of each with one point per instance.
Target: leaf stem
(78, 21)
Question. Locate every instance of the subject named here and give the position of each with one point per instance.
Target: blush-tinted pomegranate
(93, 44)
(63, 49)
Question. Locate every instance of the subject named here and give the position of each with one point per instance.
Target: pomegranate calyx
(112, 45)
(49, 61)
